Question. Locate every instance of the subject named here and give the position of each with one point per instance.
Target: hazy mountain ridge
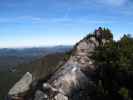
(16, 64)
(10, 57)
(33, 51)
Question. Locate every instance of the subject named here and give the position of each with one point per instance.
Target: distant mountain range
(10, 57)
(14, 62)
(9, 77)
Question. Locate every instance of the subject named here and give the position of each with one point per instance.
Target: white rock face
(71, 76)
(60, 97)
(22, 85)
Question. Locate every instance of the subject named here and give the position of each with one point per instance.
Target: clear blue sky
(60, 22)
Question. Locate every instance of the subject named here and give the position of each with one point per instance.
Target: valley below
(14, 63)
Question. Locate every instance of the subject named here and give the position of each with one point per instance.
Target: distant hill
(10, 57)
(7, 78)
(15, 62)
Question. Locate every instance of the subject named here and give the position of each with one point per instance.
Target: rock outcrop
(21, 87)
(71, 78)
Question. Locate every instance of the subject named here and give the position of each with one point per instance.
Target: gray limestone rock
(22, 85)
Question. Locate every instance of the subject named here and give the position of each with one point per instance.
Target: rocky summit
(71, 79)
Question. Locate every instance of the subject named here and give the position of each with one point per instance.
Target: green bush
(115, 68)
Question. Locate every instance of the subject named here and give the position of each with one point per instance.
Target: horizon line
(46, 46)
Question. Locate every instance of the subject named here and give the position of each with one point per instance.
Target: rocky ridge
(68, 81)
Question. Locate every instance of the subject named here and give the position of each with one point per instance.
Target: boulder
(22, 86)
(39, 95)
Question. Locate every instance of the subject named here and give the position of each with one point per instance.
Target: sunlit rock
(22, 86)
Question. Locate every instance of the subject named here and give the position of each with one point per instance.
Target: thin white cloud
(20, 19)
(127, 10)
(113, 2)
(38, 20)
(29, 17)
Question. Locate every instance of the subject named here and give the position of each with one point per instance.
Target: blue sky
(26, 23)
